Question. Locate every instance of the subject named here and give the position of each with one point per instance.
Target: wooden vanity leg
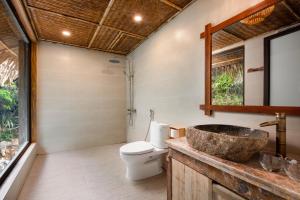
(169, 176)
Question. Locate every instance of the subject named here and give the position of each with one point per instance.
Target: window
(14, 90)
(228, 77)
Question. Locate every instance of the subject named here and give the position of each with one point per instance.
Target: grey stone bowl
(229, 142)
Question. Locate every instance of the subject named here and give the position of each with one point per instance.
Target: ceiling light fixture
(137, 18)
(258, 17)
(66, 33)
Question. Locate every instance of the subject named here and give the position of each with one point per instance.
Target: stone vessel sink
(233, 143)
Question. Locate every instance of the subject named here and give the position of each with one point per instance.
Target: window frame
(26, 61)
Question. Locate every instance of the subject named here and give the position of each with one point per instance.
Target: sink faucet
(280, 123)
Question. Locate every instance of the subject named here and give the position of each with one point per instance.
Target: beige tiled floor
(91, 174)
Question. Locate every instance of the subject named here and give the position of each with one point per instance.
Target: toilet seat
(136, 148)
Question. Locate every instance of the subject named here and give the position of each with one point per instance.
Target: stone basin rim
(259, 132)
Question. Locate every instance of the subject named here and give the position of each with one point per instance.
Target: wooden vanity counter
(248, 179)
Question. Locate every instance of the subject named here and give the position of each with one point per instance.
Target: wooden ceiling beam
(94, 36)
(110, 4)
(171, 4)
(8, 49)
(30, 19)
(128, 33)
(291, 10)
(116, 40)
(23, 16)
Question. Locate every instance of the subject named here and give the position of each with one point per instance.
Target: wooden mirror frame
(207, 35)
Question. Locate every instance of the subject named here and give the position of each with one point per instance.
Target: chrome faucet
(280, 123)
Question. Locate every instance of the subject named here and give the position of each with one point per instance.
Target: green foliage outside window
(8, 112)
(227, 88)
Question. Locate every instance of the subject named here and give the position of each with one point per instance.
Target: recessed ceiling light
(66, 33)
(137, 18)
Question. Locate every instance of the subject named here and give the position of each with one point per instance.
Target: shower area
(129, 75)
(82, 98)
(131, 111)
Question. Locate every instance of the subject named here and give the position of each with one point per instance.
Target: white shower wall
(81, 98)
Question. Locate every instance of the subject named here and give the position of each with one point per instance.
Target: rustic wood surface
(221, 193)
(197, 186)
(22, 15)
(255, 69)
(169, 177)
(177, 180)
(270, 110)
(33, 93)
(208, 62)
(246, 179)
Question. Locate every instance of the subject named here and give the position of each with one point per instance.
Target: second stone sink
(233, 143)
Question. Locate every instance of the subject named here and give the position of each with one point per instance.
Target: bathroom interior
(149, 99)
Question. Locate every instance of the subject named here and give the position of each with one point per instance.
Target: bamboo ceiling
(286, 13)
(9, 36)
(105, 25)
(9, 39)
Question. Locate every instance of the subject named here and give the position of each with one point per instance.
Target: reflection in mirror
(239, 73)
(283, 68)
(228, 77)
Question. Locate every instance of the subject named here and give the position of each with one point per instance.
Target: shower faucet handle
(131, 111)
(151, 114)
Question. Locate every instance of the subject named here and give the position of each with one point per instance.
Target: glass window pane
(13, 90)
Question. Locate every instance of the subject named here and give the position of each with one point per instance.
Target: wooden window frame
(27, 49)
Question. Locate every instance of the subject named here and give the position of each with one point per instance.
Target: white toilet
(144, 159)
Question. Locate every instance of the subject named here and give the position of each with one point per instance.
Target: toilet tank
(159, 133)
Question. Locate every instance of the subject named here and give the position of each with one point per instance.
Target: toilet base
(140, 171)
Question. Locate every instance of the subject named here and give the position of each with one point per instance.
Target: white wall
(81, 98)
(254, 81)
(254, 58)
(169, 74)
(284, 57)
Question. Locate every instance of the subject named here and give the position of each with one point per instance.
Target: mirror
(256, 61)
